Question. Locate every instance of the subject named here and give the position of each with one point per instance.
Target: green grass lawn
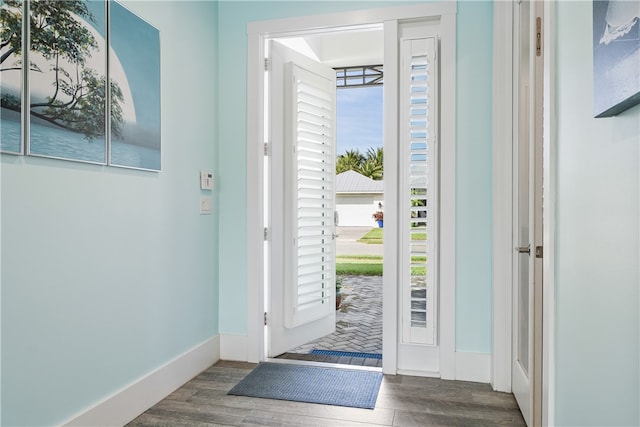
(372, 237)
(359, 265)
(369, 265)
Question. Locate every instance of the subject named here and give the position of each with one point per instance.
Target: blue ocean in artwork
(53, 142)
(56, 142)
(50, 141)
(10, 132)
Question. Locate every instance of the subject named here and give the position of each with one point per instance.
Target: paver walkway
(358, 321)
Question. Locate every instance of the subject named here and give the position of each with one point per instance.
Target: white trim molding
(502, 194)
(447, 268)
(474, 367)
(354, 18)
(234, 347)
(390, 233)
(255, 192)
(549, 216)
(135, 398)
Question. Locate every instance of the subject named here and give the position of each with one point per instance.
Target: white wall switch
(206, 180)
(206, 205)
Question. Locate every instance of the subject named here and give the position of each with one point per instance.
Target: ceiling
(347, 47)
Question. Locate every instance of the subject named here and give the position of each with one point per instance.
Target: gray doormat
(346, 354)
(312, 384)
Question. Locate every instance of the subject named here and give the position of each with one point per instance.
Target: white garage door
(357, 210)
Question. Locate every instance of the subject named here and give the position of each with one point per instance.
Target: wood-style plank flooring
(403, 401)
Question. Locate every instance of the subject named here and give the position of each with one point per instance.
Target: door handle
(523, 249)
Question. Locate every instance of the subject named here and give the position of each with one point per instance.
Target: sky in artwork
(137, 45)
(135, 66)
(359, 119)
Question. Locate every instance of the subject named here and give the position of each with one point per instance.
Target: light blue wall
(109, 273)
(474, 211)
(597, 255)
(474, 99)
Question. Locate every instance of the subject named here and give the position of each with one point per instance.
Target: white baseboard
(135, 398)
(474, 367)
(234, 347)
(414, 373)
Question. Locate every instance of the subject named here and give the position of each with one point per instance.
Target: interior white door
(527, 291)
(301, 297)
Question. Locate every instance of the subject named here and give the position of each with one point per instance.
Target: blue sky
(359, 117)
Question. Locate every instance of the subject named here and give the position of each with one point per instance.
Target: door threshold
(323, 364)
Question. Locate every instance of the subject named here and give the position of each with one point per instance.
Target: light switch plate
(206, 205)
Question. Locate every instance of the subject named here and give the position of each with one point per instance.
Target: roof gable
(353, 182)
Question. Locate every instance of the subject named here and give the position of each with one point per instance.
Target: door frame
(503, 97)
(258, 32)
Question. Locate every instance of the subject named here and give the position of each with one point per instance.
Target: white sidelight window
(310, 178)
(419, 190)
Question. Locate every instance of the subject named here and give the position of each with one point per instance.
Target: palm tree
(370, 165)
(371, 169)
(350, 160)
(376, 155)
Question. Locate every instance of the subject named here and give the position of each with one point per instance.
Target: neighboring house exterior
(357, 199)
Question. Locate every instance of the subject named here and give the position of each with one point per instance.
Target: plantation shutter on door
(420, 190)
(309, 290)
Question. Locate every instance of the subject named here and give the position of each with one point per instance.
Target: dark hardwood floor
(403, 401)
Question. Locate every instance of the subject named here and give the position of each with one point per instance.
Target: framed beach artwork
(134, 61)
(67, 77)
(11, 75)
(616, 56)
(93, 83)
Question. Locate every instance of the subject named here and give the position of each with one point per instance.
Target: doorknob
(523, 249)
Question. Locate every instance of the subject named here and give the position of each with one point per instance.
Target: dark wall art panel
(616, 56)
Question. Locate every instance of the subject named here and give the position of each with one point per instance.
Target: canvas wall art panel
(11, 73)
(68, 71)
(135, 71)
(616, 56)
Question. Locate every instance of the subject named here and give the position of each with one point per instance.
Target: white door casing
(302, 282)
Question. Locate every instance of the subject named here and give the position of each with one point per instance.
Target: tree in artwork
(60, 33)
(10, 47)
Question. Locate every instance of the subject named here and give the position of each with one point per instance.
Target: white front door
(301, 303)
(527, 290)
